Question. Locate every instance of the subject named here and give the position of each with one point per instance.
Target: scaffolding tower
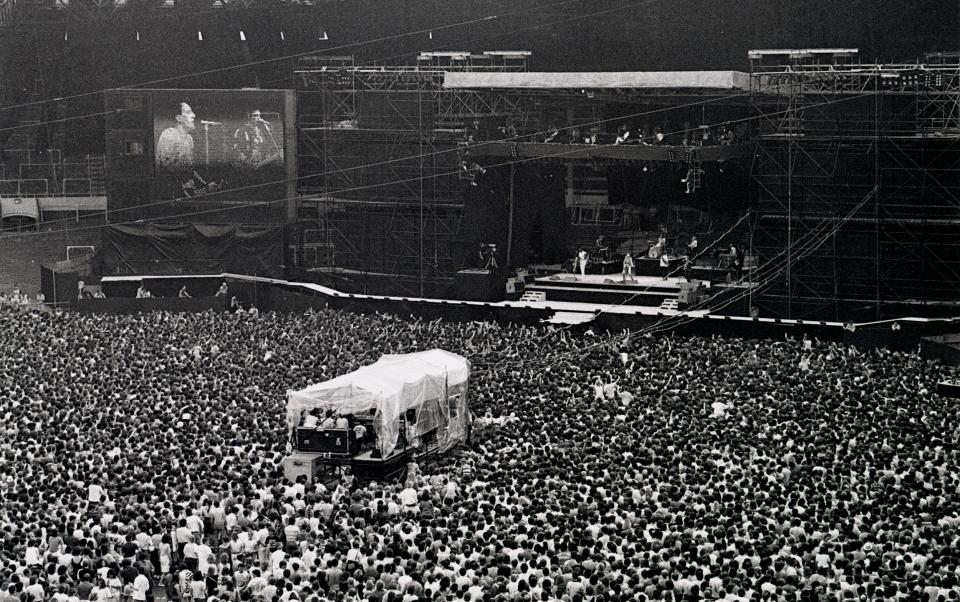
(381, 155)
(856, 183)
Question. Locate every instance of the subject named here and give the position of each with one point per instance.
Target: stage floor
(614, 281)
(569, 307)
(593, 308)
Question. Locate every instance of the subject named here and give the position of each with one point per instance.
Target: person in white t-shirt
(96, 494)
(719, 409)
(204, 555)
(408, 499)
(141, 586)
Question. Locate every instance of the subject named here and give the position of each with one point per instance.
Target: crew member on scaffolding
(692, 246)
(733, 262)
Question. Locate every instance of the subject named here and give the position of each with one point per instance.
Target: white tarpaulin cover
(571, 317)
(432, 383)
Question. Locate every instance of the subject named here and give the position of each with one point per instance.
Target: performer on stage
(627, 267)
(603, 251)
(655, 250)
(582, 260)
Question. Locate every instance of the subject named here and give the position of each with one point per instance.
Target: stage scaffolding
(856, 183)
(382, 150)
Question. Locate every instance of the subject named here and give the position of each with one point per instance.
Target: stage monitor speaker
(479, 285)
(333, 441)
(300, 464)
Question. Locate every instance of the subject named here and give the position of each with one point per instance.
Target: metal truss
(835, 137)
(418, 245)
(380, 150)
(938, 108)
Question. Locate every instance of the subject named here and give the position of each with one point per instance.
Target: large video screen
(219, 144)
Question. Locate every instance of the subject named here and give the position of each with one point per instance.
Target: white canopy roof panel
(20, 207)
(543, 80)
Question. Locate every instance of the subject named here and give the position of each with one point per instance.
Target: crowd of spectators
(16, 299)
(141, 458)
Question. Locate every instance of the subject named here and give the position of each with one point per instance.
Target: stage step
(534, 296)
(670, 304)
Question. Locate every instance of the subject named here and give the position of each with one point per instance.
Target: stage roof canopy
(636, 80)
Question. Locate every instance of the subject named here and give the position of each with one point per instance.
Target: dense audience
(140, 458)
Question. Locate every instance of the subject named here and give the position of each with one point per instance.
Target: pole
(420, 221)
(513, 173)
(206, 145)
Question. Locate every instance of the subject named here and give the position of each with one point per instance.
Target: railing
(22, 188)
(77, 187)
(27, 156)
(64, 178)
(41, 187)
(595, 216)
(6, 13)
